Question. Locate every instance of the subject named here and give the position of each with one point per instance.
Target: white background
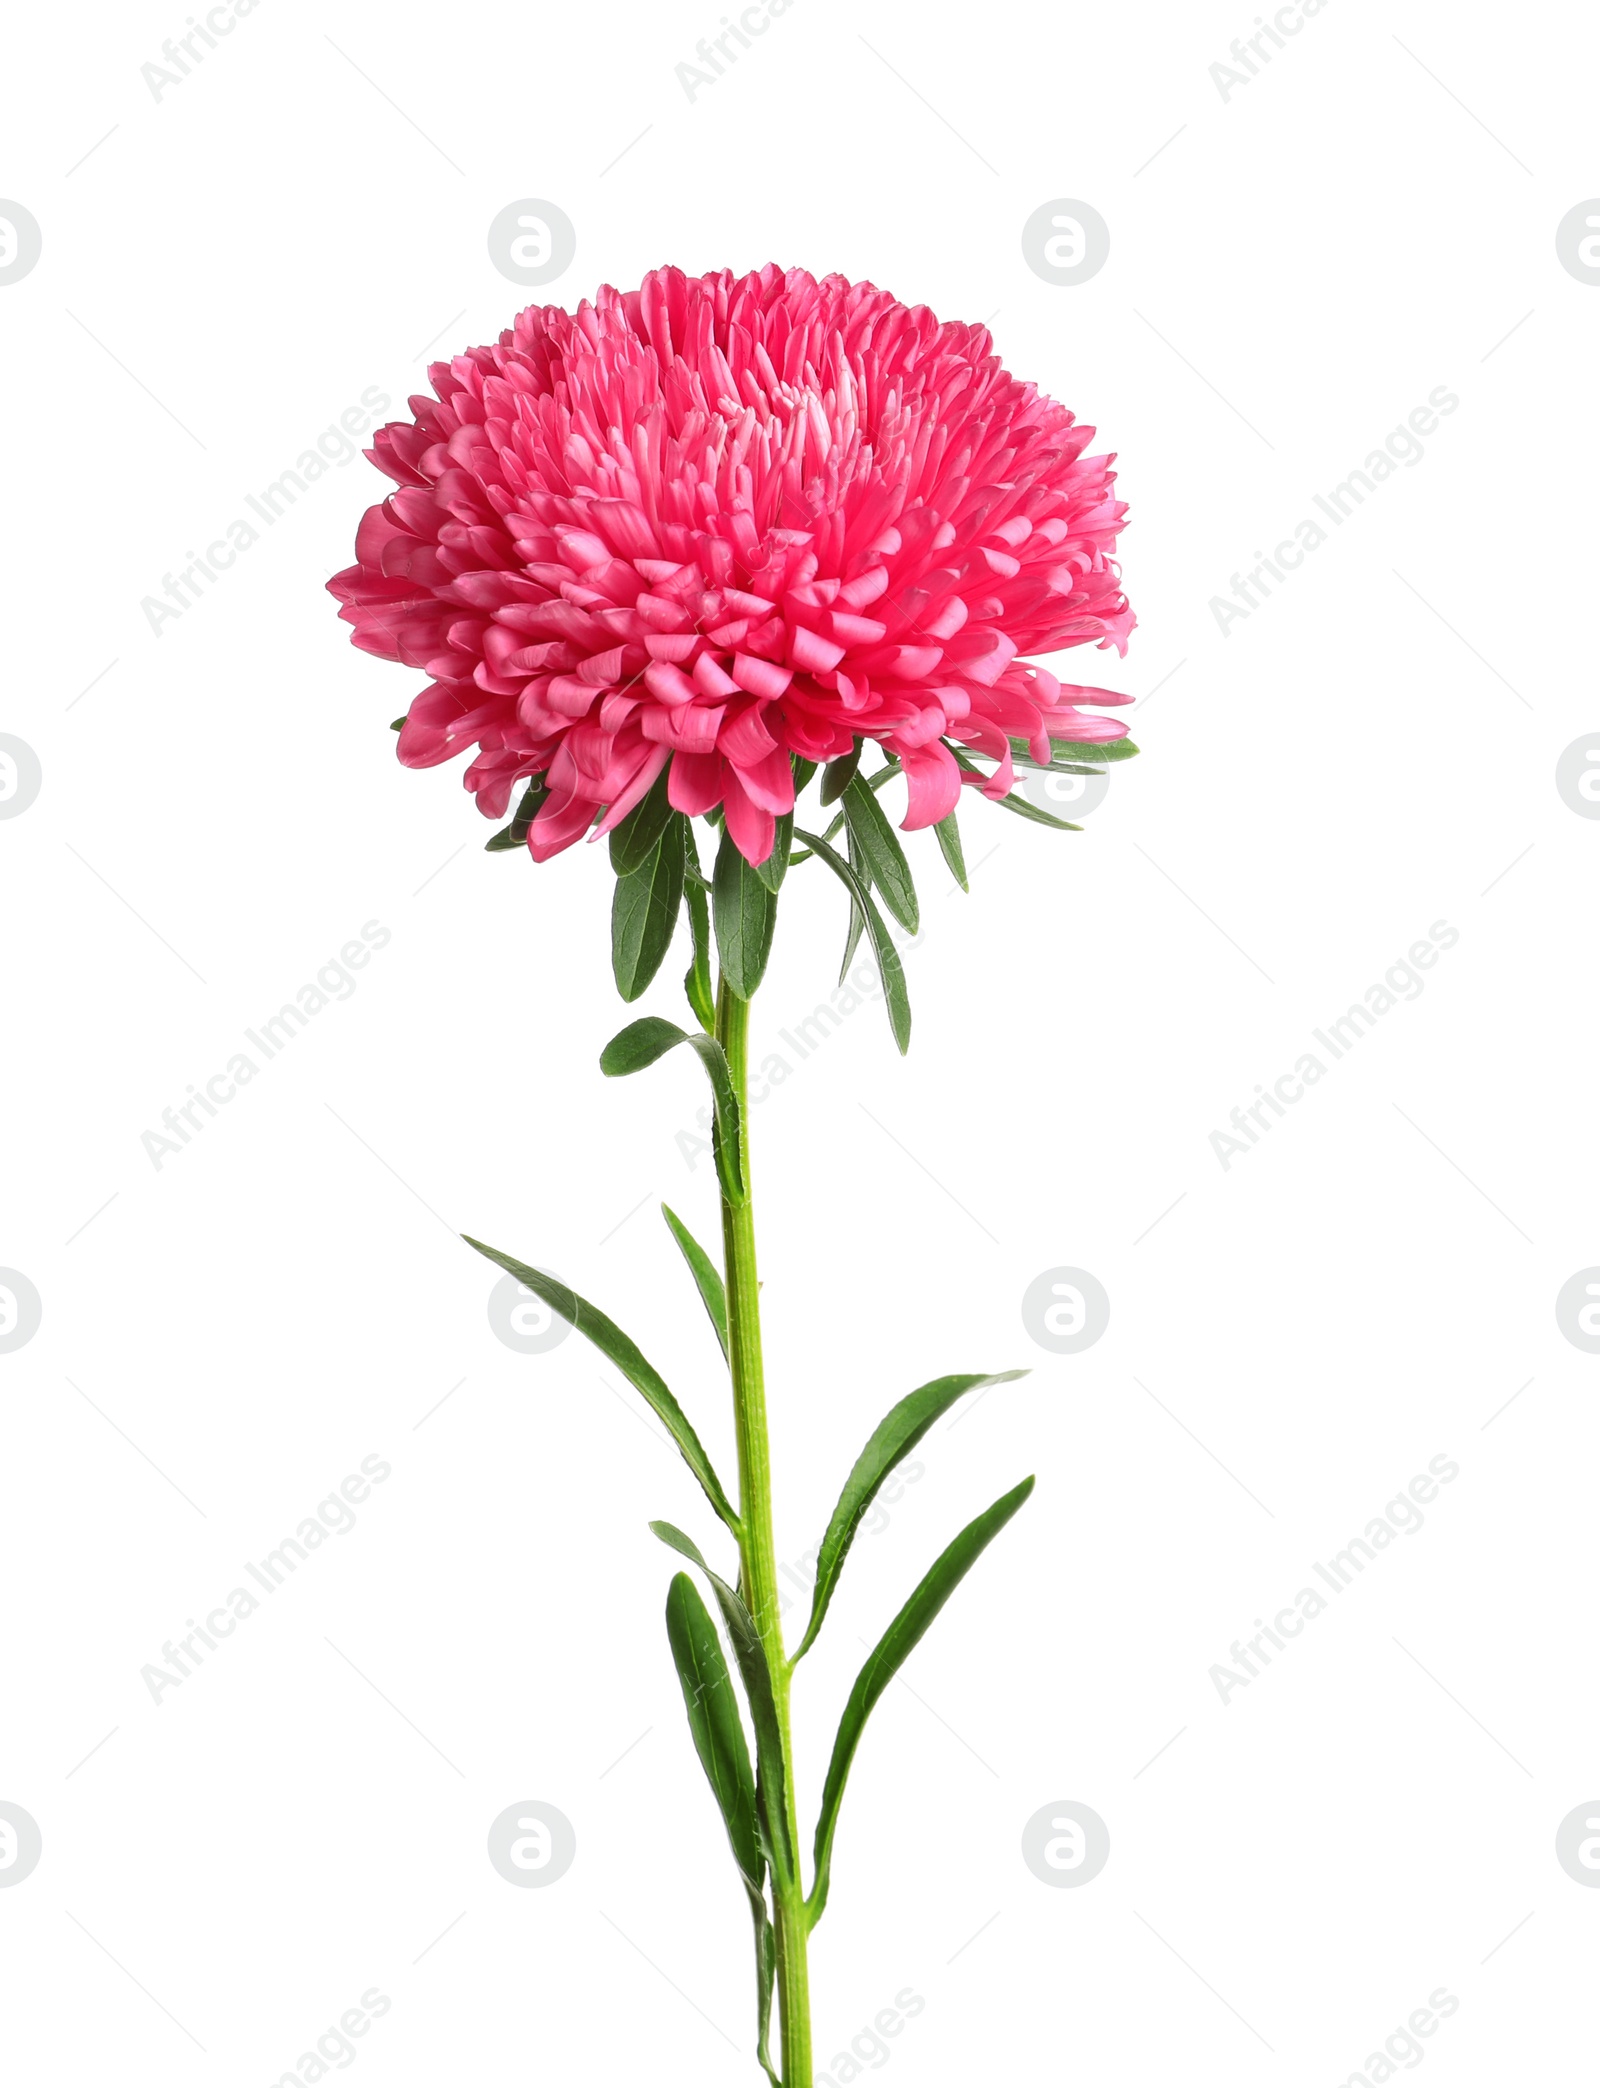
(1291, 1340)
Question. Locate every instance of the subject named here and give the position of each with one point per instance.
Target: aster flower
(725, 528)
(664, 559)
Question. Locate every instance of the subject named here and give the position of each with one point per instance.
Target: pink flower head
(721, 521)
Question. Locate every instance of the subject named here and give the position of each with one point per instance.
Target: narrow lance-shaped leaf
(714, 1723)
(719, 1741)
(644, 912)
(1024, 808)
(697, 979)
(713, 1294)
(766, 1973)
(1019, 805)
(1063, 768)
(650, 1038)
(516, 834)
(949, 838)
(880, 847)
(890, 969)
(875, 781)
(1070, 754)
(858, 919)
(612, 1343)
(838, 773)
(938, 1584)
(633, 839)
(771, 1777)
(743, 913)
(890, 1443)
(774, 869)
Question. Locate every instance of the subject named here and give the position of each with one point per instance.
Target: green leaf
(771, 872)
(633, 839)
(766, 1972)
(949, 836)
(1025, 809)
(890, 969)
(803, 771)
(718, 1734)
(515, 835)
(644, 912)
(1019, 805)
(751, 1655)
(880, 849)
(704, 1271)
(1066, 754)
(650, 1038)
(697, 979)
(858, 919)
(1061, 768)
(743, 912)
(884, 1662)
(838, 773)
(892, 1441)
(612, 1343)
(875, 781)
(396, 723)
(714, 1723)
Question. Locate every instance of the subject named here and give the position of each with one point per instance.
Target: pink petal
(933, 784)
(751, 825)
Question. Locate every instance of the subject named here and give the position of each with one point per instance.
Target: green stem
(757, 1556)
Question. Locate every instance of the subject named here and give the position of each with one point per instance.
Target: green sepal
(613, 1344)
(884, 1662)
(890, 1443)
